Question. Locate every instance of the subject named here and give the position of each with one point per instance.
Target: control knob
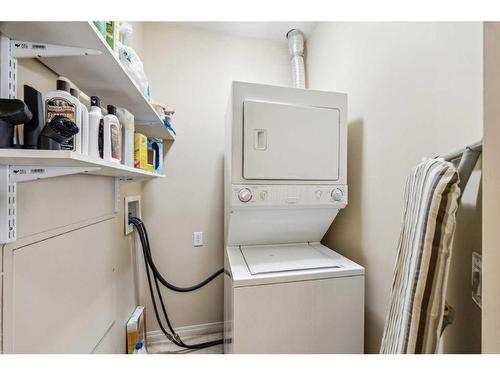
(244, 195)
(337, 195)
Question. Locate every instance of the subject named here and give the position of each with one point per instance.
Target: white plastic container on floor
(112, 136)
(140, 349)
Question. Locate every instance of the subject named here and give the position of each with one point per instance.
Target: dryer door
(290, 142)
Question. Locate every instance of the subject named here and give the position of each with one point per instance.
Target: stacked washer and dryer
(285, 182)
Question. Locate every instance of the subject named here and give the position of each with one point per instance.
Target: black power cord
(150, 266)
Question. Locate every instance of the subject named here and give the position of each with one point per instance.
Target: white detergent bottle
(61, 103)
(127, 125)
(85, 130)
(112, 136)
(84, 122)
(95, 119)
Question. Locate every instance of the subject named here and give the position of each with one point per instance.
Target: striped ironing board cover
(414, 318)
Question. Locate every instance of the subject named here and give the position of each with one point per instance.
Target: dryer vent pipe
(296, 48)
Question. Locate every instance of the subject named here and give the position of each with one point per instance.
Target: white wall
(191, 69)
(415, 89)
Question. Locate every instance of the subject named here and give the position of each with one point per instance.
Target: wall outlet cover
(133, 208)
(197, 239)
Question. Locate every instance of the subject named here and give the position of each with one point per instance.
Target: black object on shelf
(33, 128)
(12, 112)
(58, 130)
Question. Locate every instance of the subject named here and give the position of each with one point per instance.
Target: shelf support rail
(8, 70)
(10, 175)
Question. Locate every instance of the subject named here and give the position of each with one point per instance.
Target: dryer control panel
(288, 195)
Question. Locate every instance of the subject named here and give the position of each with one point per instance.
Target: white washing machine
(285, 181)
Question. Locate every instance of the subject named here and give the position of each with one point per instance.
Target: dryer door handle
(260, 139)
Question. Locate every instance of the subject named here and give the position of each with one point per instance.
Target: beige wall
(491, 212)
(191, 69)
(414, 90)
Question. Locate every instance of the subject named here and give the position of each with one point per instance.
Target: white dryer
(285, 181)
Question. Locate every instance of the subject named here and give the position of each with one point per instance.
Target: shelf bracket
(11, 50)
(28, 50)
(10, 175)
(30, 173)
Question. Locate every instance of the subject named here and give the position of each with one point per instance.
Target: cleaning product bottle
(85, 127)
(140, 349)
(127, 122)
(84, 131)
(101, 26)
(61, 103)
(112, 136)
(95, 121)
(124, 32)
(112, 34)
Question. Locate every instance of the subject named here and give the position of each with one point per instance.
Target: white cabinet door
(61, 292)
(308, 317)
(290, 142)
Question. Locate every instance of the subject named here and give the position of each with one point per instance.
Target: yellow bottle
(140, 151)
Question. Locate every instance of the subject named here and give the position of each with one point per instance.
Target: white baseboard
(186, 332)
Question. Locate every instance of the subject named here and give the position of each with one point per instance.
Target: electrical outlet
(132, 208)
(476, 278)
(197, 239)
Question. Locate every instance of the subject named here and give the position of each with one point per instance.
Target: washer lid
(289, 257)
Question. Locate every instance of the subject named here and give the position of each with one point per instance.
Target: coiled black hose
(150, 266)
